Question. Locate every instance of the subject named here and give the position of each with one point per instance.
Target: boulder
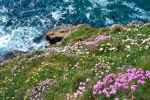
(57, 35)
(117, 27)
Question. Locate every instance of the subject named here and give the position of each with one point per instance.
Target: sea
(24, 23)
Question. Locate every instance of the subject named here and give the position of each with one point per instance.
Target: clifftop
(72, 70)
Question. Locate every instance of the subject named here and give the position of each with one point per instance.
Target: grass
(83, 32)
(20, 74)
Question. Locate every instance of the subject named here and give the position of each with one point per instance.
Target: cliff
(70, 70)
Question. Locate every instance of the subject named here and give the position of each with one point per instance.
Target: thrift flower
(111, 84)
(101, 38)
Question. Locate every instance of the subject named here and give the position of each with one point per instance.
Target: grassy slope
(22, 73)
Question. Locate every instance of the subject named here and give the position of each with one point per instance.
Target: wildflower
(101, 38)
(40, 88)
(116, 98)
(146, 40)
(111, 84)
(141, 82)
(128, 46)
(134, 88)
(81, 89)
(148, 74)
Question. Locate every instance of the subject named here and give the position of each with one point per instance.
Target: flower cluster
(102, 69)
(40, 88)
(107, 47)
(130, 80)
(71, 49)
(77, 48)
(81, 90)
(80, 47)
(101, 38)
(141, 41)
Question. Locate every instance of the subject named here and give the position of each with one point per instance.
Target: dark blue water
(24, 22)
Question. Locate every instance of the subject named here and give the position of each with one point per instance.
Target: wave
(23, 23)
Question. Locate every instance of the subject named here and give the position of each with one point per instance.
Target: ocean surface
(23, 23)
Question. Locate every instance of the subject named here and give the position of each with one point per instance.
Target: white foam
(88, 15)
(3, 10)
(22, 39)
(57, 14)
(108, 21)
(140, 12)
(67, 0)
(3, 18)
(102, 3)
(4, 40)
(71, 9)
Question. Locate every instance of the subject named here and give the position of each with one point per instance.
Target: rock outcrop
(117, 27)
(57, 34)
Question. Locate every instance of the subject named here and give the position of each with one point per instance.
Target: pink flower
(100, 38)
(107, 94)
(148, 74)
(113, 90)
(134, 88)
(82, 88)
(131, 79)
(141, 82)
(79, 92)
(116, 98)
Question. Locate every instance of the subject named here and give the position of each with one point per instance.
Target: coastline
(71, 29)
(82, 60)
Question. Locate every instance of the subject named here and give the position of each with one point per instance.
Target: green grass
(20, 74)
(81, 33)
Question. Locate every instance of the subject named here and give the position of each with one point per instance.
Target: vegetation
(74, 75)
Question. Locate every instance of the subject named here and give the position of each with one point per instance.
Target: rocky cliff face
(58, 33)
